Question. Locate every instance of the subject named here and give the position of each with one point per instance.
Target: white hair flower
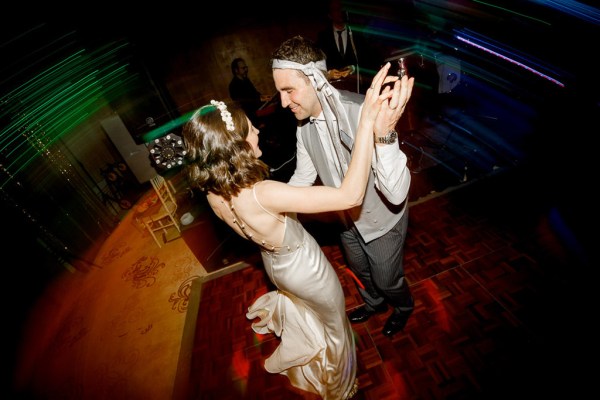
(225, 114)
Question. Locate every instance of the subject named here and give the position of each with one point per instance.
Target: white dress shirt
(392, 177)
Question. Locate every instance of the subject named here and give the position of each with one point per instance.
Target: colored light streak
(58, 100)
(511, 60)
(169, 126)
(512, 12)
(574, 8)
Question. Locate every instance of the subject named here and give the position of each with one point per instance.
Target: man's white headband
(314, 70)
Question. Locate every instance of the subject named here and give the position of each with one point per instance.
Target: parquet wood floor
(499, 308)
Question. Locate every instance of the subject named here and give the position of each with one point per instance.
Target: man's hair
(220, 161)
(299, 49)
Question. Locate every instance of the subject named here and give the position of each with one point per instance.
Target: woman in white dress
(307, 311)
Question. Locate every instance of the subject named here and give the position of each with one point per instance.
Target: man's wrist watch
(390, 138)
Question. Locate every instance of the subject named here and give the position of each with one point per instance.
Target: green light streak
(63, 96)
(162, 130)
(512, 12)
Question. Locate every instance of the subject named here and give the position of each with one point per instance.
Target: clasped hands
(395, 98)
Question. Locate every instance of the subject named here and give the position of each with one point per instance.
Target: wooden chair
(166, 216)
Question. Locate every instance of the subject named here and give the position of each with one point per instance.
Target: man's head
(239, 68)
(337, 14)
(293, 85)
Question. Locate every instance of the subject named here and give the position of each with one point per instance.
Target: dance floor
(496, 280)
(498, 268)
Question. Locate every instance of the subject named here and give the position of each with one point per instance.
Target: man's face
(252, 138)
(242, 69)
(296, 93)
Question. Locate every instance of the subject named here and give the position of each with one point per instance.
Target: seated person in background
(307, 311)
(242, 90)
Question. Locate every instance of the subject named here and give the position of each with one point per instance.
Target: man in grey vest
(373, 240)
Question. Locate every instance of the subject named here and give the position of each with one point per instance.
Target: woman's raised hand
(375, 97)
(392, 109)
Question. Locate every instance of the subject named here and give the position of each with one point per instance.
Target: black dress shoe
(361, 314)
(395, 324)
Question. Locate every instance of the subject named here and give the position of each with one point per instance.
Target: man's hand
(335, 74)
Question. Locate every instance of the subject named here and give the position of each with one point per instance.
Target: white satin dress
(317, 350)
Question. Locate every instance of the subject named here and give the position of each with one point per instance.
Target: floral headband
(225, 114)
